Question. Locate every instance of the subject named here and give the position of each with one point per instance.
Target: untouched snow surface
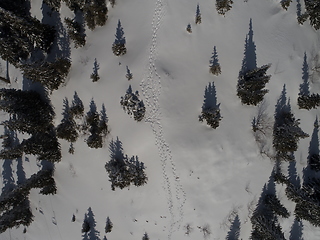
(197, 175)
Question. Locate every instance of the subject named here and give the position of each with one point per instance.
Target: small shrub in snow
(189, 28)
(133, 105)
(285, 4)
(109, 225)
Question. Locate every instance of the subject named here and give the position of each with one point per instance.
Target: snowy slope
(197, 175)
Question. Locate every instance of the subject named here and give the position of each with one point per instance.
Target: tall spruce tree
(118, 47)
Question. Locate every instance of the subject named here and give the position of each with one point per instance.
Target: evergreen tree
(93, 120)
(77, 107)
(250, 88)
(67, 128)
(189, 28)
(49, 74)
(109, 225)
(95, 76)
(198, 15)
(285, 4)
(76, 32)
(312, 9)
(136, 172)
(145, 236)
(223, 6)
(133, 105)
(19, 36)
(29, 112)
(210, 109)
(95, 13)
(215, 68)
(286, 131)
(118, 47)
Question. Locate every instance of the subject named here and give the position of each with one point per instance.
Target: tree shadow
(103, 113)
(210, 97)
(249, 61)
(93, 106)
(304, 86)
(281, 105)
(294, 178)
(214, 59)
(116, 150)
(120, 39)
(92, 234)
(296, 230)
(234, 232)
(7, 176)
(61, 45)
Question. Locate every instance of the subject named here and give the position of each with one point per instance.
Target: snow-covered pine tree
(93, 120)
(95, 13)
(223, 6)
(118, 47)
(133, 105)
(136, 171)
(215, 67)
(250, 88)
(312, 8)
(77, 107)
(145, 236)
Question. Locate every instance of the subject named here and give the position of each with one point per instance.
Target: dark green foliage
(286, 132)
(309, 102)
(75, 5)
(95, 13)
(118, 47)
(285, 4)
(49, 74)
(18, 7)
(97, 126)
(251, 85)
(75, 32)
(312, 9)
(189, 28)
(44, 145)
(77, 107)
(109, 225)
(67, 128)
(123, 171)
(223, 6)
(10, 146)
(314, 162)
(19, 36)
(215, 67)
(85, 226)
(73, 219)
(53, 4)
(275, 206)
(133, 105)
(29, 112)
(14, 205)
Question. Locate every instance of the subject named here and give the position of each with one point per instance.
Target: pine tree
(109, 225)
(118, 47)
(49, 74)
(95, 13)
(198, 15)
(215, 68)
(285, 4)
(76, 32)
(93, 119)
(77, 107)
(189, 28)
(250, 88)
(223, 6)
(145, 236)
(312, 8)
(286, 131)
(95, 76)
(67, 128)
(133, 105)
(21, 35)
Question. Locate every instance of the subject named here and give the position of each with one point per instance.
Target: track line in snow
(151, 89)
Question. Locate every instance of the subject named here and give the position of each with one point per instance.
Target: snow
(197, 175)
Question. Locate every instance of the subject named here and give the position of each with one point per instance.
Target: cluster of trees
(124, 171)
(210, 109)
(133, 105)
(93, 123)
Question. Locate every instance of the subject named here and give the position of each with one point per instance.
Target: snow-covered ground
(197, 175)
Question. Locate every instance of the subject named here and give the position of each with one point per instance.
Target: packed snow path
(151, 89)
